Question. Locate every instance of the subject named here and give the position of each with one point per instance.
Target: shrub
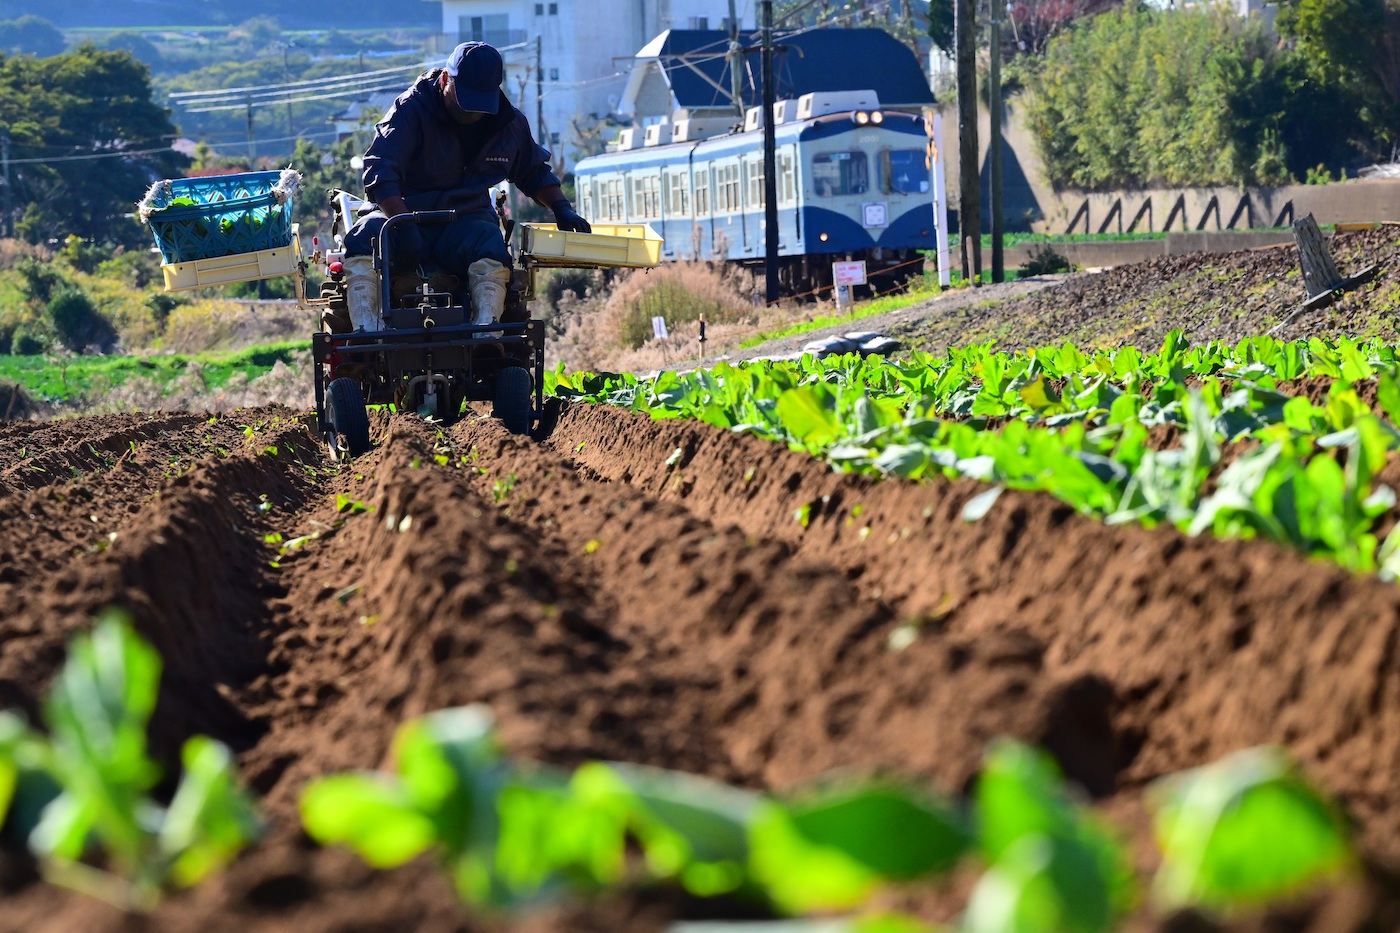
(40, 280)
(578, 281)
(27, 341)
(681, 293)
(1044, 261)
(76, 321)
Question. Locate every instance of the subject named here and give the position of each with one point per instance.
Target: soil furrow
(1162, 651)
(71, 449)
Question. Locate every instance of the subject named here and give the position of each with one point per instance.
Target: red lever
(336, 268)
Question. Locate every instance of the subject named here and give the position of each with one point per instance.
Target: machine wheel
(345, 410)
(514, 393)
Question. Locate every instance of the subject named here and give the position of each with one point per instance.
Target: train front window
(905, 171)
(838, 173)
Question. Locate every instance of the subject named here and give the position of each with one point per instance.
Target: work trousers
(452, 246)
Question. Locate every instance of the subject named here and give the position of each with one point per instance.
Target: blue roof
(807, 61)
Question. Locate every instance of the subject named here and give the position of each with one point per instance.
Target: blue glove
(570, 220)
(407, 245)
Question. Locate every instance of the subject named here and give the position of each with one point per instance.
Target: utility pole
(287, 77)
(994, 143)
(736, 61)
(252, 155)
(770, 159)
(9, 194)
(969, 200)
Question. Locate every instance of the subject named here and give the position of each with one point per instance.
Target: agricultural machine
(388, 335)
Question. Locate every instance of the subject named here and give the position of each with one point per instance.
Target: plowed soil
(609, 605)
(1209, 296)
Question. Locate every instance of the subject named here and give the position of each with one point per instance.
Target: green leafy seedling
(1243, 831)
(87, 786)
(832, 851)
(1053, 868)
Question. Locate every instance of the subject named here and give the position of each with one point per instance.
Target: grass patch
(56, 378)
(861, 310)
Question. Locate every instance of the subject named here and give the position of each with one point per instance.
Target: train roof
(821, 60)
(736, 143)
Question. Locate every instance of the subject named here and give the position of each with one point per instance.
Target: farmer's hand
(569, 220)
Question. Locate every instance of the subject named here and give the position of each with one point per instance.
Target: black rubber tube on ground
(345, 410)
(514, 394)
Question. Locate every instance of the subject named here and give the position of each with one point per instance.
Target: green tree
(940, 24)
(1353, 45)
(324, 169)
(31, 35)
(87, 141)
(1143, 97)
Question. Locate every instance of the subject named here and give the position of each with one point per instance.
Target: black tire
(514, 398)
(345, 410)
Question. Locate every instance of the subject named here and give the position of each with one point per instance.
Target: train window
(585, 189)
(678, 195)
(904, 171)
(646, 197)
(755, 173)
(787, 178)
(611, 196)
(837, 173)
(727, 190)
(702, 191)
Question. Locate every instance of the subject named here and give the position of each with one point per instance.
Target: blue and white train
(853, 183)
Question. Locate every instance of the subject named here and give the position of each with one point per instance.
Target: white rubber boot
(362, 293)
(487, 281)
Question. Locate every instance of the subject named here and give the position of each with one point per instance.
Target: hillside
(353, 14)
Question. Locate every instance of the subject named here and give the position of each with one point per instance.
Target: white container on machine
(362, 293)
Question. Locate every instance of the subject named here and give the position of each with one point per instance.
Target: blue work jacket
(418, 153)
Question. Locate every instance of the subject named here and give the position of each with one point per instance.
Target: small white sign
(876, 214)
(848, 273)
(658, 327)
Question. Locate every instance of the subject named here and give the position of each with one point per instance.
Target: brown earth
(609, 605)
(1209, 296)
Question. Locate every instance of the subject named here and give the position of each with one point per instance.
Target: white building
(567, 60)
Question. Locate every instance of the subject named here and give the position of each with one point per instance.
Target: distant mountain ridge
(348, 14)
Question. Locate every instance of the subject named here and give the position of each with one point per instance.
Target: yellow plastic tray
(634, 246)
(239, 267)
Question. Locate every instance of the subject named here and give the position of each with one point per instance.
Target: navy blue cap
(477, 71)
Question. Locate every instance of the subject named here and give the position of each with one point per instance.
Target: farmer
(442, 145)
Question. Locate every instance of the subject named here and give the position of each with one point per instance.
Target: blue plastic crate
(231, 214)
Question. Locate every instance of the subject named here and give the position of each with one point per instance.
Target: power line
(285, 87)
(113, 154)
(276, 102)
(277, 96)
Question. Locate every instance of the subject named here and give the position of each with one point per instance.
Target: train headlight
(822, 238)
(877, 118)
(862, 118)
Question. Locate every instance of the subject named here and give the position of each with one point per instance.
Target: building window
(702, 191)
(554, 139)
(493, 29)
(554, 74)
(539, 9)
(678, 196)
(554, 9)
(838, 173)
(699, 22)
